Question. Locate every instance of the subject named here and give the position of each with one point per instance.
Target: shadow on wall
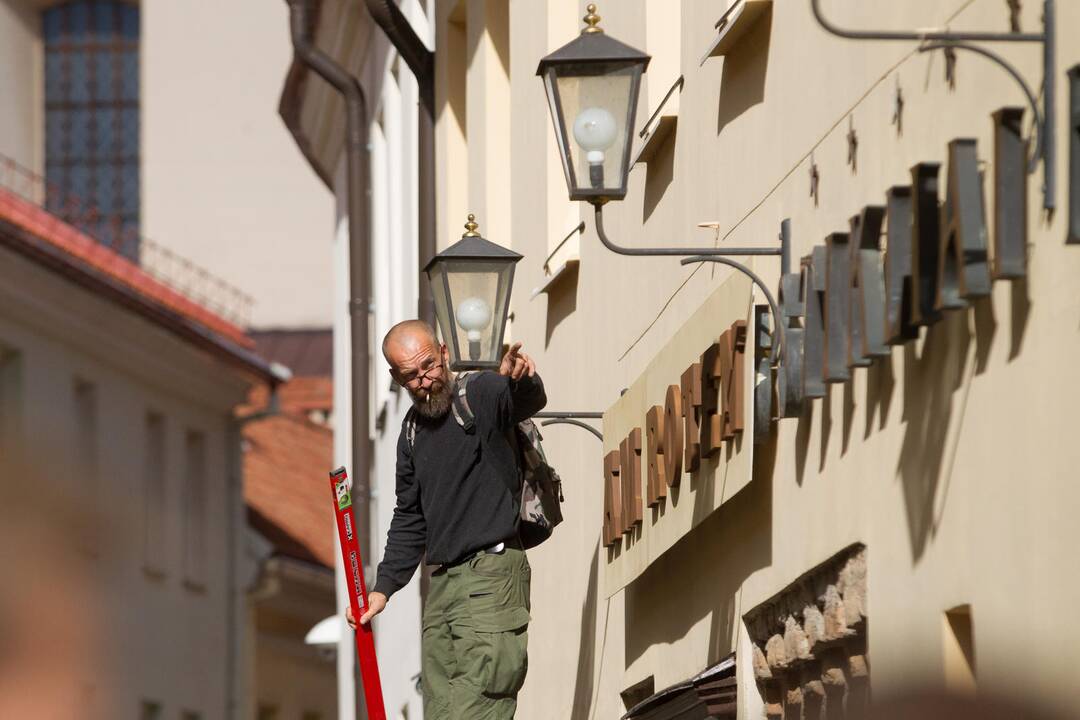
(742, 85)
(659, 172)
(584, 681)
(931, 379)
(702, 574)
(561, 303)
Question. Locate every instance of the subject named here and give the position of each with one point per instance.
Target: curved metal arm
(929, 34)
(654, 251)
(777, 321)
(570, 421)
(1045, 143)
(1040, 128)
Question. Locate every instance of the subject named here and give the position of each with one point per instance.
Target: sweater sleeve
(512, 401)
(408, 531)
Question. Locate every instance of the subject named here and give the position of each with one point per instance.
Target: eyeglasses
(414, 379)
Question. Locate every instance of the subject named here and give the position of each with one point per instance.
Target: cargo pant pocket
(502, 661)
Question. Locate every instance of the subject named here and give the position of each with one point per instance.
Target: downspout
(356, 187)
(421, 61)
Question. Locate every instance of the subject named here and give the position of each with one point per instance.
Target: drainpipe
(421, 61)
(356, 156)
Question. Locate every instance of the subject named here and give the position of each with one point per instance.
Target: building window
(10, 405)
(195, 510)
(154, 473)
(150, 710)
(85, 467)
(92, 118)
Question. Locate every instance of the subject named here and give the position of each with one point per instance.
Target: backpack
(541, 488)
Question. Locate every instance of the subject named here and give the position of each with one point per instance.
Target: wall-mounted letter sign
(1010, 194)
(899, 291)
(690, 388)
(837, 285)
(712, 419)
(813, 293)
(963, 267)
(733, 370)
(656, 487)
(630, 478)
(673, 436)
(867, 289)
(790, 383)
(1074, 155)
(613, 520)
(925, 242)
(763, 378)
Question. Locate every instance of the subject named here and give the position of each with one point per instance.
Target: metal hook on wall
(933, 39)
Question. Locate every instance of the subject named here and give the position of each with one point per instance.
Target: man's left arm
(521, 395)
(527, 397)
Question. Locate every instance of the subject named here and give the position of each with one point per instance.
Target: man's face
(421, 367)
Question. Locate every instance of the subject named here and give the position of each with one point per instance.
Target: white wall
(223, 183)
(22, 85)
(161, 639)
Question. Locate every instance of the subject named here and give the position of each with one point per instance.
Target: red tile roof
(286, 486)
(299, 396)
(84, 253)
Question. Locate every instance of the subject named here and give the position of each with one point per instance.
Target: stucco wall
(950, 461)
(160, 638)
(223, 183)
(22, 123)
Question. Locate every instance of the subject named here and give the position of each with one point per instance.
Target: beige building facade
(930, 489)
(926, 491)
(219, 181)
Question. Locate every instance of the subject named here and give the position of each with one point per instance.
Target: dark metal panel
(789, 384)
(899, 293)
(963, 267)
(813, 294)
(867, 288)
(763, 381)
(837, 312)
(925, 242)
(1010, 194)
(1074, 155)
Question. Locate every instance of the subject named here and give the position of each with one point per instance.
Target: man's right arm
(408, 531)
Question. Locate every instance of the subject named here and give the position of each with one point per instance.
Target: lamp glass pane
(478, 301)
(593, 116)
(441, 295)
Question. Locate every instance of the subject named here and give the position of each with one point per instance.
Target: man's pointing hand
(516, 364)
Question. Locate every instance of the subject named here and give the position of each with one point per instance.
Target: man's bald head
(408, 335)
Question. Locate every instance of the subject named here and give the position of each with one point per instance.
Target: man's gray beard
(436, 405)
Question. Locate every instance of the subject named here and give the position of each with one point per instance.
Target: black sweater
(458, 492)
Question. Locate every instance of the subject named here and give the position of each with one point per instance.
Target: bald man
(458, 495)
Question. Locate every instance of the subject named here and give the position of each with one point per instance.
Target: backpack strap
(463, 414)
(410, 428)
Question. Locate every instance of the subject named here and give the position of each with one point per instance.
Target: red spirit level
(341, 488)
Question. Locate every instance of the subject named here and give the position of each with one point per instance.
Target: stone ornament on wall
(809, 642)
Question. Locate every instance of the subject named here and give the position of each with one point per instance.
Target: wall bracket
(1045, 145)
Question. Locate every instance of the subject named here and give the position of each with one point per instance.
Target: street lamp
(592, 87)
(595, 80)
(470, 283)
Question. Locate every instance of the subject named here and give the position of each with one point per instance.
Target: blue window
(92, 118)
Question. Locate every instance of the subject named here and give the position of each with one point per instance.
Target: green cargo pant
(475, 639)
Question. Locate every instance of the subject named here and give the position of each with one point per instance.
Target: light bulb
(595, 131)
(473, 315)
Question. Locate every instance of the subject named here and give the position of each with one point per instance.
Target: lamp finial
(592, 21)
(470, 227)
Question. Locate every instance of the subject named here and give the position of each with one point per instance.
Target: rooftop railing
(168, 267)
